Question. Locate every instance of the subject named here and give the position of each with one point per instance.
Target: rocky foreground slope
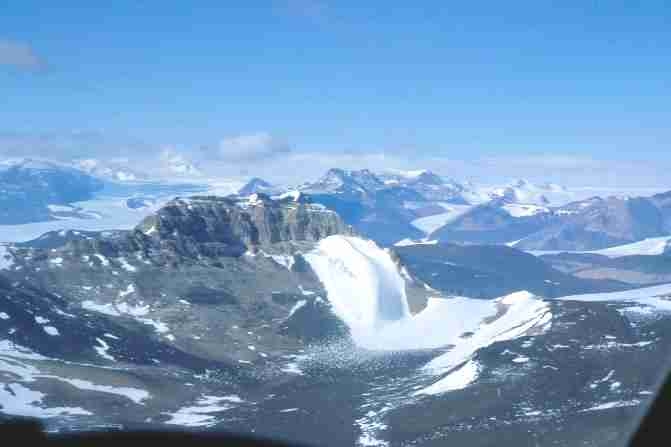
(271, 317)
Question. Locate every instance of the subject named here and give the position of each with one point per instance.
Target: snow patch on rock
(458, 379)
(203, 412)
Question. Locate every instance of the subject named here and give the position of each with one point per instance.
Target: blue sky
(464, 81)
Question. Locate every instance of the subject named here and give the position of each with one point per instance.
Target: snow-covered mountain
(257, 185)
(169, 166)
(591, 224)
(352, 183)
(116, 170)
(391, 206)
(173, 163)
(415, 205)
(431, 186)
(376, 210)
(527, 193)
(599, 223)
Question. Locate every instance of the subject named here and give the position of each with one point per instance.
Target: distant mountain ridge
(258, 185)
(113, 170)
(29, 187)
(600, 223)
(386, 205)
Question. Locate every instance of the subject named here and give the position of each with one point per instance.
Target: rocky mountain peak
(216, 226)
(428, 178)
(521, 183)
(336, 179)
(255, 185)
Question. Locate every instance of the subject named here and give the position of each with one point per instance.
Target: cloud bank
(19, 55)
(251, 148)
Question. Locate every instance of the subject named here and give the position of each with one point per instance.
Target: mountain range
(421, 205)
(387, 207)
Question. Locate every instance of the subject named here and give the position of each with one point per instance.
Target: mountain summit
(256, 185)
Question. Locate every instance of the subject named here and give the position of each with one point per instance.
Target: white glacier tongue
(364, 286)
(367, 291)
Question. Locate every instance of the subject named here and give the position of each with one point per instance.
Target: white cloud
(174, 162)
(19, 55)
(254, 147)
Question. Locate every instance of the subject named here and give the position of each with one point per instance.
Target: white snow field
(20, 372)
(524, 210)
(646, 247)
(429, 224)
(408, 242)
(458, 379)
(656, 298)
(367, 292)
(111, 214)
(651, 246)
(203, 412)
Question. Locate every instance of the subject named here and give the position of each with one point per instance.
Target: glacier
(367, 291)
(363, 284)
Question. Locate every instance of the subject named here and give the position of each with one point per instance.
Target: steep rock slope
(591, 224)
(491, 223)
(600, 223)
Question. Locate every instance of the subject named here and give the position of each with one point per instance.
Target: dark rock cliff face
(224, 226)
(212, 227)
